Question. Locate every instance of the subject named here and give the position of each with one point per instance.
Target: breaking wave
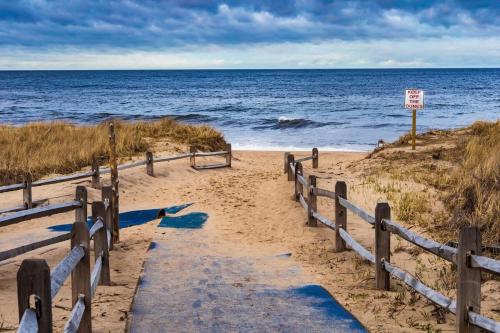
(292, 123)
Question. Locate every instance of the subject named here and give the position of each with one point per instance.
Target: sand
(250, 209)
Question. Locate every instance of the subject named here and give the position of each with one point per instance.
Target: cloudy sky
(183, 34)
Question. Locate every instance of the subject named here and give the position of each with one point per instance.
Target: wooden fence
(37, 285)
(110, 194)
(227, 153)
(467, 256)
(27, 185)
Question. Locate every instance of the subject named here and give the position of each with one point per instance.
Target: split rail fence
(27, 185)
(31, 209)
(36, 284)
(467, 257)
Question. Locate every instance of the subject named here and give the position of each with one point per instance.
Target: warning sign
(414, 99)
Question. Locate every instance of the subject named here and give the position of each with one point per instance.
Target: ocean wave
(231, 108)
(381, 125)
(193, 118)
(397, 115)
(443, 105)
(292, 123)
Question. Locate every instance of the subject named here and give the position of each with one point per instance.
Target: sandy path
(194, 282)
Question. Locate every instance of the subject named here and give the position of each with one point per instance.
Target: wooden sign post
(414, 99)
(413, 128)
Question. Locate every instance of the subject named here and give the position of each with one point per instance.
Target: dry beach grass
(459, 176)
(60, 148)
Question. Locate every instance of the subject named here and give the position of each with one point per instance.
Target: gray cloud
(149, 25)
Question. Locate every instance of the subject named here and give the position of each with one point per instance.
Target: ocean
(260, 109)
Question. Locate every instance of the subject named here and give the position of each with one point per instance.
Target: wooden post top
(27, 178)
(33, 278)
(341, 189)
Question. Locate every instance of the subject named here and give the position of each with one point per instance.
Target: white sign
(414, 99)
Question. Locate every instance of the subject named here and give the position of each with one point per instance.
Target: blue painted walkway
(192, 283)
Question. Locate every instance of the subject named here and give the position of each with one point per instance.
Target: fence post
(27, 191)
(291, 161)
(33, 278)
(95, 182)
(312, 205)
(340, 215)
(149, 163)
(285, 162)
(80, 276)
(315, 156)
(299, 189)
(229, 154)
(112, 156)
(468, 278)
(114, 182)
(192, 161)
(107, 199)
(101, 242)
(115, 205)
(382, 246)
(81, 195)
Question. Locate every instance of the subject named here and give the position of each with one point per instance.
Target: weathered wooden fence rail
(227, 153)
(79, 205)
(467, 256)
(37, 286)
(43, 211)
(96, 172)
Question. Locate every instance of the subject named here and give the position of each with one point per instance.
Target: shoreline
(298, 149)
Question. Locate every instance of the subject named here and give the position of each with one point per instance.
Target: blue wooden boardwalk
(190, 285)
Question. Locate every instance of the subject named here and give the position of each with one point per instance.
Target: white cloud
(262, 19)
(391, 63)
(439, 52)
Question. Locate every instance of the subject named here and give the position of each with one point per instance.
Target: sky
(199, 34)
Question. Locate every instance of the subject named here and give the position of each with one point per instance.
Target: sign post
(413, 128)
(414, 99)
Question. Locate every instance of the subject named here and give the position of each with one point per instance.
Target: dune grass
(460, 172)
(61, 148)
(474, 196)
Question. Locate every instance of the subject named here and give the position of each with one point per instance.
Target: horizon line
(237, 69)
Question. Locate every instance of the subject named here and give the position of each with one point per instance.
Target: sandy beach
(250, 208)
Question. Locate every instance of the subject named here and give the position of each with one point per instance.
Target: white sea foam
(350, 148)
